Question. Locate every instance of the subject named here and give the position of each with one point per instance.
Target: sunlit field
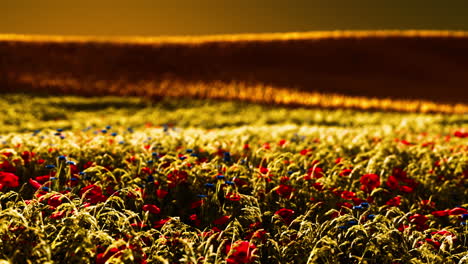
(127, 180)
(275, 148)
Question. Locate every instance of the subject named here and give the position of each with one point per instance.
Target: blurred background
(201, 17)
(275, 69)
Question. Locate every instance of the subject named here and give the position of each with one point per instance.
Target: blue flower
(108, 127)
(352, 222)
(202, 196)
(227, 156)
(121, 142)
(53, 178)
(74, 179)
(81, 173)
(71, 162)
(150, 162)
(193, 154)
(57, 133)
(59, 129)
(45, 188)
(465, 216)
(114, 134)
(189, 150)
(290, 172)
(130, 130)
(62, 157)
(182, 158)
(220, 177)
(371, 217)
(62, 137)
(154, 154)
(343, 227)
(209, 185)
(50, 166)
(357, 207)
(229, 182)
(365, 205)
(104, 131)
(150, 178)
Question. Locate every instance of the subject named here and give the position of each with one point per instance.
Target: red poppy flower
(460, 134)
(369, 182)
(55, 200)
(160, 223)
(406, 189)
(161, 193)
(7, 167)
(34, 184)
(392, 182)
(58, 215)
(196, 204)
(8, 179)
(285, 214)
(418, 219)
(284, 190)
(240, 252)
(345, 172)
(222, 220)
(235, 197)
(395, 201)
(151, 208)
(93, 193)
(318, 186)
(314, 172)
(282, 142)
(347, 195)
(457, 211)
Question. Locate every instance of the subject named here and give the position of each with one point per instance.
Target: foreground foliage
(294, 186)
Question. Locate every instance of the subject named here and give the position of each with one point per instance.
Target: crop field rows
(121, 180)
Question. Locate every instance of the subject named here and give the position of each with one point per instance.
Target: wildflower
(392, 183)
(62, 157)
(464, 216)
(395, 201)
(369, 182)
(229, 183)
(161, 193)
(151, 208)
(8, 179)
(418, 219)
(34, 184)
(227, 157)
(347, 195)
(222, 220)
(240, 252)
(235, 197)
(371, 217)
(457, 211)
(50, 166)
(220, 177)
(93, 193)
(284, 190)
(285, 214)
(345, 172)
(314, 172)
(209, 185)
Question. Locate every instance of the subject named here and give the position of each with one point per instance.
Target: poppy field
(122, 180)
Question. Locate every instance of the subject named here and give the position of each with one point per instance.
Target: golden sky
(201, 17)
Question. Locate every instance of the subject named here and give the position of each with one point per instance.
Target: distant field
(424, 71)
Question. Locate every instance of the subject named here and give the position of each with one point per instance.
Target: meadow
(178, 180)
